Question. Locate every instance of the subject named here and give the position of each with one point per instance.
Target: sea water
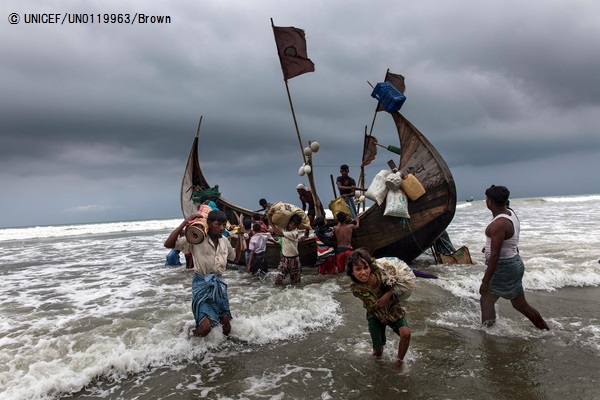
(91, 312)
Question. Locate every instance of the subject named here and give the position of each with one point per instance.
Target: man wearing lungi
(504, 273)
(210, 302)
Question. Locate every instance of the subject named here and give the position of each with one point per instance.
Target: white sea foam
(464, 205)
(573, 199)
(41, 232)
(115, 319)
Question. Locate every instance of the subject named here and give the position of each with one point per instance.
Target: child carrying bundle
(383, 309)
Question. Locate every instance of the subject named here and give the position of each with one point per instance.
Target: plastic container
(390, 98)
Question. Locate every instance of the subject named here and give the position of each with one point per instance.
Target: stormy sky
(96, 120)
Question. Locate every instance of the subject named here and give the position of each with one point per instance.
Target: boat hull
(430, 214)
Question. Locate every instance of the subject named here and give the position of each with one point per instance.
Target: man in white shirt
(210, 301)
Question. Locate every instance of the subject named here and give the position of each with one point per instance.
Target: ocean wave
(39, 232)
(562, 199)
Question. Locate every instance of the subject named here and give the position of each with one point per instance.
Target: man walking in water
(210, 300)
(504, 274)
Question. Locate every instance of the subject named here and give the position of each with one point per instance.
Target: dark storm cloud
(99, 118)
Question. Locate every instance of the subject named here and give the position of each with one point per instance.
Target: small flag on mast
(291, 47)
(370, 150)
(397, 81)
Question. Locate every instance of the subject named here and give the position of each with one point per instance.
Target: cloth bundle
(280, 214)
(398, 275)
(393, 181)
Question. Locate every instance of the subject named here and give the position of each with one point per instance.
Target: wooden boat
(382, 235)
(429, 215)
(193, 178)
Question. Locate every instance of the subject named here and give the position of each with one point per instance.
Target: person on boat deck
(289, 263)
(504, 273)
(343, 235)
(325, 239)
(306, 197)
(257, 263)
(210, 301)
(347, 188)
(265, 206)
(383, 310)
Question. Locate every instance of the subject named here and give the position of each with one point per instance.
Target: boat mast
(308, 161)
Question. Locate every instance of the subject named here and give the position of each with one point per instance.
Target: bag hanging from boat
(393, 181)
(396, 204)
(377, 189)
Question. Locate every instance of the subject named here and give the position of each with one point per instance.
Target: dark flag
(397, 81)
(370, 150)
(291, 47)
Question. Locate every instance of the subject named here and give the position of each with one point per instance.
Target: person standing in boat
(347, 188)
(343, 235)
(265, 206)
(306, 197)
(210, 301)
(504, 273)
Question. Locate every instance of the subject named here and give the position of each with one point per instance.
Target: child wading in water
(382, 309)
(289, 263)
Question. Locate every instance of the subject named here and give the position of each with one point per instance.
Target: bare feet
(226, 325)
(377, 353)
(197, 332)
(489, 323)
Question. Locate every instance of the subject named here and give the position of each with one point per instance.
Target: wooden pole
(361, 178)
(333, 187)
(287, 88)
(313, 188)
(198, 130)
